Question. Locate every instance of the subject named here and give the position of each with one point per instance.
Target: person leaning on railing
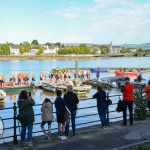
(147, 91)
(101, 105)
(26, 117)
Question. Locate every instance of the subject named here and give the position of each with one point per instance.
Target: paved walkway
(94, 138)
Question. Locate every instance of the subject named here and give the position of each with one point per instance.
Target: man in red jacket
(128, 94)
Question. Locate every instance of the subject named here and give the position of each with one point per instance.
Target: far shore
(60, 57)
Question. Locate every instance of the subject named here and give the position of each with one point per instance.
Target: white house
(14, 49)
(34, 49)
(50, 49)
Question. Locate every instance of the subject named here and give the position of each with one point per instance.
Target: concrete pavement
(94, 138)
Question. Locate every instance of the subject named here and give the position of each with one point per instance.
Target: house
(50, 49)
(14, 49)
(35, 49)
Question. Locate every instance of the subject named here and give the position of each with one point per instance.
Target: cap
(127, 79)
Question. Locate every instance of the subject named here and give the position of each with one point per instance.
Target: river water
(12, 67)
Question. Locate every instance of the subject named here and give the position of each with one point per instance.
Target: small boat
(2, 95)
(16, 88)
(127, 73)
(77, 89)
(94, 70)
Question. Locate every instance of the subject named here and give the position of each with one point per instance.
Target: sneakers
(104, 127)
(45, 136)
(30, 144)
(23, 143)
(59, 137)
(63, 137)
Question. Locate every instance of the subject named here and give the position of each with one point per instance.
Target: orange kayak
(127, 73)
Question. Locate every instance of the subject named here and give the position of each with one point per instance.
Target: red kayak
(127, 73)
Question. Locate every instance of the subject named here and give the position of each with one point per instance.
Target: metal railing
(16, 125)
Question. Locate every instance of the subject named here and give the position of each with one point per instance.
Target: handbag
(109, 102)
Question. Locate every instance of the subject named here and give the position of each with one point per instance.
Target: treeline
(5, 49)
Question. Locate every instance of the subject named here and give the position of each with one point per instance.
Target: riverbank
(115, 137)
(63, 57)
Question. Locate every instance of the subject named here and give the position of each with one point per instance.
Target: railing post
(107, 112)
(15, 141)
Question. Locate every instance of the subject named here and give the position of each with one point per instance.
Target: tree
(139, 50)
(104, 49)
(48, 44)
(40, 50)
(22, 50)
(125, 50)
(35, 42)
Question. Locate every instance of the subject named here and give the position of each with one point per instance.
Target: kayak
(127, 73)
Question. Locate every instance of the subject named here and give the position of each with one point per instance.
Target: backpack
(119, 106)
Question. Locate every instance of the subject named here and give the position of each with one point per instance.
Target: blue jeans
(73, 116)
(23, 132)
(102, 115)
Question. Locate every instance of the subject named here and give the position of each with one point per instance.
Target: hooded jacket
(47, 112)
(26, 113)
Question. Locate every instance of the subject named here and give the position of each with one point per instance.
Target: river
(12, 67)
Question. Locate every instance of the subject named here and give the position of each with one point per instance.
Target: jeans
(102, 116)
(23, 132)
(128, 104)
(73, 116)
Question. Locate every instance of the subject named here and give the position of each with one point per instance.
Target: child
(60, 112)
(47, 117)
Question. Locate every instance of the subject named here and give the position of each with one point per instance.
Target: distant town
(34, 48)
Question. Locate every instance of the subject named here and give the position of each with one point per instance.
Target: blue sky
(75, 21)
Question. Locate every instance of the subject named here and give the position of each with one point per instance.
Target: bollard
(15, 141)
(107, 112)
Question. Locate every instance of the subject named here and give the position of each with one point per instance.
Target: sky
(75, 21)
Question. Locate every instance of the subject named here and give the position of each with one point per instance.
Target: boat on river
(17, 88)
(76, 89)
(94, 70)
(127, 73)
(2, 95)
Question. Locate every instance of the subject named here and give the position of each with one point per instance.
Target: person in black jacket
(101, 105)
(60, 112)
(71, 101)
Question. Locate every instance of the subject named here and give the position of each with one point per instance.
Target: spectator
(60, 112)
(26, 117)
(147, 91)
(71, 101)
(47, 117)
(101, 105)
(127, 91)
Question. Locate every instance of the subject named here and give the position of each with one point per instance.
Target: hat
(127, 79)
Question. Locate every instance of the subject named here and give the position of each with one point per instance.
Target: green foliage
(22, 50)
(40, 50)
(48, 44)
(35, 42)
(5, 49)
(93, 51)
(24, 47)
(140, 105)
(82, 49)
(139, 50)
(104, 49)
(125, 50)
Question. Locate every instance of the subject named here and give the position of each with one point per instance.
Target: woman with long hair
(26, 117)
